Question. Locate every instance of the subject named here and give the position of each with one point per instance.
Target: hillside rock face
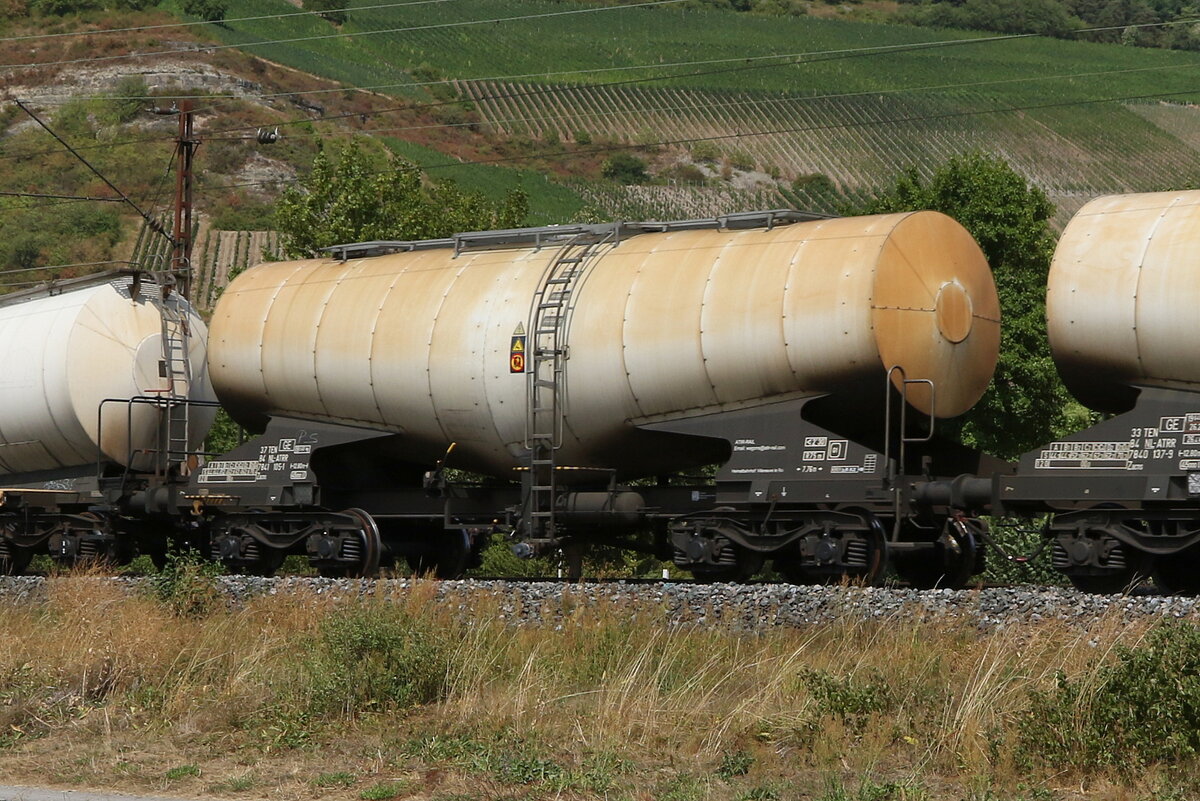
(178, 75)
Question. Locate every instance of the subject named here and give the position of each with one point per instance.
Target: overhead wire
(63, 197)
(224, 21)
(807, 58)
(813, 57)
(798, 59)
(687, 140)
(205, 48)
(60, 267)
(771, 101)
(749, 134)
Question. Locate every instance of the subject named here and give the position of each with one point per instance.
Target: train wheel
(449, 560)
(1179, 573)
(372, 546)
(268, 561)
(949, 565)
(1110, 584)
(1120, 568)
(14, 560)
(855, 556)
(793, 572)
(875, 556)
(748, 563)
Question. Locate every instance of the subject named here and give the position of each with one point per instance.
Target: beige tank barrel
(663, 325)
(1122, 297)
(61, 355)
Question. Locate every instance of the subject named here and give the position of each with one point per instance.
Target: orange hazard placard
(516, 355)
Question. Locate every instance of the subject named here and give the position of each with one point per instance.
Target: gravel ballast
(740, 606)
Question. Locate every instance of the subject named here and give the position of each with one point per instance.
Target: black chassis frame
(790, 490)
(1120, 495)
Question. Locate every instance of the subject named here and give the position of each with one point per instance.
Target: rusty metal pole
(181, 252)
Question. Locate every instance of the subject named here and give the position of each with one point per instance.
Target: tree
(1024, 405)
(349, 200)
(625, 168)
(207, 10)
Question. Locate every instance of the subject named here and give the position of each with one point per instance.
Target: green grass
(549, 202)
(334, 779)
(182, 772)
(383, 791)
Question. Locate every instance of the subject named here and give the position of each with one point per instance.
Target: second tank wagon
(558, 363)
(644, 324)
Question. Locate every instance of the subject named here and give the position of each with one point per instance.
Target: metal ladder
(176, 369)
(546, 377)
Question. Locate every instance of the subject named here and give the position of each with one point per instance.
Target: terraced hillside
(852, 104)
(860, 141)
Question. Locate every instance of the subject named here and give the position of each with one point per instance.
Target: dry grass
(105, 689)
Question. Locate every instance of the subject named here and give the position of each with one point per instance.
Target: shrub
(741, 160)
(1145, 708)
(373, 657)
(187, 584)
(684, 173)
(207, 10)
(706, 152)
(123, 108)
(814, 184)
(851, 698)
(624, 168)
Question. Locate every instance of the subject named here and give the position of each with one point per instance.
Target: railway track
(748, 607)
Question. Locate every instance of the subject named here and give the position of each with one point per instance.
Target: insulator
(266, 136)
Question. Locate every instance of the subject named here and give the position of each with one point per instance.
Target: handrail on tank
(552, 234)
(58, 286)
(904, 439)
(149, 400)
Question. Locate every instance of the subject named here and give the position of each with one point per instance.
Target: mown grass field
(380, 696)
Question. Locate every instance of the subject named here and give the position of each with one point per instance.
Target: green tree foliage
(1118, 19)
(224, 436)
(1024, 405)
(349, 199)
(207, 10)
(625, 168)
(1045, 17)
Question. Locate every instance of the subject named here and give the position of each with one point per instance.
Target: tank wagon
(556, 381)
(105, 400)
(1124, 494)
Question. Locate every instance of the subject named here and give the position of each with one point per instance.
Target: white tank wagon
(1122, 297)
(61, 355)
(661, 326)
